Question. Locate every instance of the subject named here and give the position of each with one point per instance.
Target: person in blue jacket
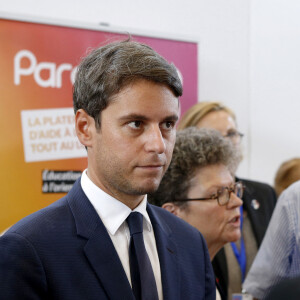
(126, 106)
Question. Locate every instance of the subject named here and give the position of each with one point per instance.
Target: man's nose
(155, 141)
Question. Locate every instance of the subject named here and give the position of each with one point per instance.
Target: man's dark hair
(194, 149)
(108, 69)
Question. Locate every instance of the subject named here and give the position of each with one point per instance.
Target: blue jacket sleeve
(210, 283)
(21, 272)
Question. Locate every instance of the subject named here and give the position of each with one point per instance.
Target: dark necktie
(142, 277)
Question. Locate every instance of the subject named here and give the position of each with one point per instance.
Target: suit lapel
(167, 256)
(99, 248)
(105, 261)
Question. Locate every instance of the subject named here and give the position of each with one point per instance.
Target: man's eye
(168, 125)
(135, 124)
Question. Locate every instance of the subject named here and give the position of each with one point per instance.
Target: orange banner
(40, 154)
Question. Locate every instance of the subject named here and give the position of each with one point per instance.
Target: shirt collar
(112, 212)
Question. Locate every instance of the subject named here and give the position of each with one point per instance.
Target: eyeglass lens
(224, 194)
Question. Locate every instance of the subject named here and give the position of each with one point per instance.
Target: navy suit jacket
(64, 252)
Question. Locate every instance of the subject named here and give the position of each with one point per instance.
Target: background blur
(249, 58)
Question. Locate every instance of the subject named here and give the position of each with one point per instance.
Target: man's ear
(171, 207)
(85, 127)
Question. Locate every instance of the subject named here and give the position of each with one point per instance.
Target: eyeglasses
(222, 195)
(234, 135)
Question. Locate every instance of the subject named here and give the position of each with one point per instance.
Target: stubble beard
(121, 184)
(124, 185)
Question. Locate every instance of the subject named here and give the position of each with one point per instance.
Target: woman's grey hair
(108, 69)
(194, 149)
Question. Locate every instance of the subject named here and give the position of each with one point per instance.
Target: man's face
(131, 151)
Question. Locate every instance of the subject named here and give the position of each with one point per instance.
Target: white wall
(247, 59)
(275, 85)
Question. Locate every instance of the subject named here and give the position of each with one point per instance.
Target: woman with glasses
(232, 263)
(199, 187)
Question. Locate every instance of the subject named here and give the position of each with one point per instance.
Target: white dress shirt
(113, 214)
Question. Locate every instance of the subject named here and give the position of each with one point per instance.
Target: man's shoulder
(41, 220)
(290, 197)
(50, 218)
(163, 214)
(174, 224)
(294, 188)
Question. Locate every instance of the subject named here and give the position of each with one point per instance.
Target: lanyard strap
(240, 254)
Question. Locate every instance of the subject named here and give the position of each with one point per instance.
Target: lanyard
(240, 254)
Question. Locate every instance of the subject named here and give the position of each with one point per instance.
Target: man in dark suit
(87, 245)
